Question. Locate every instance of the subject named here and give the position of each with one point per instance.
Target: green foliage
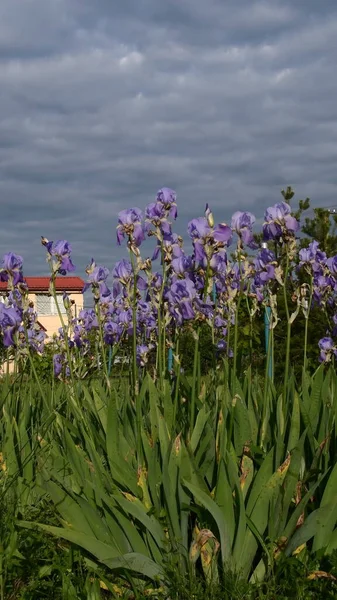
(323, 228)
(43, 364)
(317, 327)
(206, 349)
(228, 507)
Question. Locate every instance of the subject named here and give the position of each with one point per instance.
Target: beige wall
(52, 323)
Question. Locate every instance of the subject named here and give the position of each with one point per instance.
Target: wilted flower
(142, 354)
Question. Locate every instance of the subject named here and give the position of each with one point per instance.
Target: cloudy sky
(102, 102)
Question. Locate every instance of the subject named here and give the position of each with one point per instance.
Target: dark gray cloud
(102, 103)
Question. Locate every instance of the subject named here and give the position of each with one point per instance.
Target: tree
(323, 228)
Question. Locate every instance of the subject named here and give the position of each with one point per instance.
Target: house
(44, 303)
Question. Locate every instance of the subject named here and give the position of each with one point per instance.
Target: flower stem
(101, 339)
(287, 358)
(194, 381)
(305, 358)
(64, 327)
(134, 328)
(236, 324)
(267, 381)
(176, 391)
(235, 350)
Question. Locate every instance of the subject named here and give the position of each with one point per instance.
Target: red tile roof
(41, 284)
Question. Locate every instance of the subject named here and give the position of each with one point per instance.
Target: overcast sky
(102, 102)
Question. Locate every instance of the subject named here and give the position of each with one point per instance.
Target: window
(45, 304)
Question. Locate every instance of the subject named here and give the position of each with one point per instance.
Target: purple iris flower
(123, 271)
(182, 265)
(79, 335)
(57, 364)
(11, 267)
(183, 288)
(205, 308)
(264, 265)
(312, 258)
(331, 263)
(323, 285)
(129, 224)
(36, 338)
(15, 300)
(147, 317)
(156, 281)
(10, 320)
(278, 221)
(60, 250)
(125, 317)
(97, 277)
(180, 297)
(327, 349)
(223, 233)
(123, 274)
(334, 319)
(200, 232)
(199, 229)
(242, 223)
(112, 332)
(168, 198)
(218, 262)
(221, 345)
(312, 252)
(88, 319)
(156, 215)
(172, 246)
